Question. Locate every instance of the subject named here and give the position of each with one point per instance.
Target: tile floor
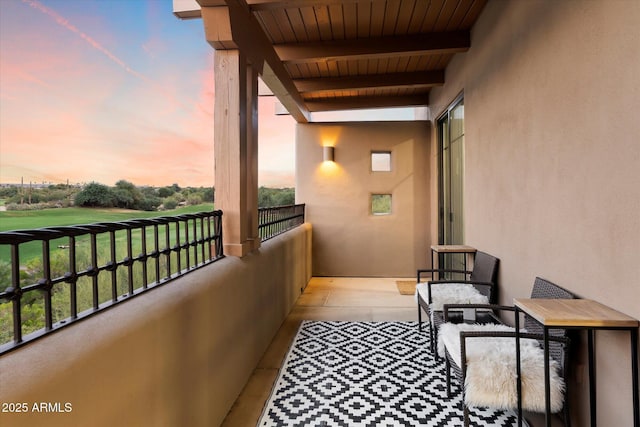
(325, 298)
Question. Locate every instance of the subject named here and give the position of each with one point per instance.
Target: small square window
(381, 161)
(381, 204)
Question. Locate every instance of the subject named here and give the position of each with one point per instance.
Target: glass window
(451, 179)
(381, 204)
(381, 161)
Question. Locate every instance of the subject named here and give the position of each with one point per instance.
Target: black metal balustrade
(277, 220)
(87, 268)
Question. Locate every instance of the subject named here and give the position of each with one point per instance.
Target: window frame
(379, 152)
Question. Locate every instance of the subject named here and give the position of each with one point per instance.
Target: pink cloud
(17, 75)
(66, 24)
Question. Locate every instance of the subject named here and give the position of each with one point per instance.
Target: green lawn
(25, 220)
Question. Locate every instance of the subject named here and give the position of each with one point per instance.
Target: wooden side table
(451, 249)
(583, 314)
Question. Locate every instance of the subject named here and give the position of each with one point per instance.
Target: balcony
(550, 186)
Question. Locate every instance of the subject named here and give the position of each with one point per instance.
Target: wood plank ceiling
(360, 53)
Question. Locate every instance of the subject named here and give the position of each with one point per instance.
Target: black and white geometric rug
(350, 374)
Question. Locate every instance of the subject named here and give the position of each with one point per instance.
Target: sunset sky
(102, 90)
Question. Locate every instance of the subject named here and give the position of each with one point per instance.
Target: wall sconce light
(328, 154)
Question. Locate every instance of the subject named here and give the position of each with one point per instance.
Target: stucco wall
(178, 355)
(552, 176)
(348, 240)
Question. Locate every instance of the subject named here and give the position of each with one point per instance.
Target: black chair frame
(559, 341)
(483, 277)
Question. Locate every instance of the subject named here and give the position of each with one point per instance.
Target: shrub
(194, 199)
(95, 194)
(170, 203)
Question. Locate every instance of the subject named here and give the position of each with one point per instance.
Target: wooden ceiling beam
(416, 44)
(284, 4)
(257, 5)
(420, 79)
(362, 102)
(211, 3)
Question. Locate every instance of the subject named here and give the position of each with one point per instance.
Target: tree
(264, 197)
(165, 192)
(170, 203)
(127, 195)
(194, 199)
(150, 203)
(148, 191)
(208, 194)
(95, 194)
(10, 191)
(284, 197)
(123, 198)
(268, 197)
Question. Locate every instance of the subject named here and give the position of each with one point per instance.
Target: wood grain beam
(285, 4)
(417, 44)
(420, 79)
(354, 103)
(257, 5)
(211, 3)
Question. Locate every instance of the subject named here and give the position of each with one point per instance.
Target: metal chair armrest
(499, 334)
(492, 307)
(439, 271)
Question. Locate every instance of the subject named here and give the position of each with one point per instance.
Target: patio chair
(479, 286)
(483, 359)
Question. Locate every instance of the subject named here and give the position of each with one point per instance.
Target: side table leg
(464, 256)
(433, 267)
(592, 378)
(634, 376)
(518, 369)
(547, 381)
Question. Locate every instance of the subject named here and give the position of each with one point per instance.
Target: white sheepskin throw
(450, 293)
(491, 369)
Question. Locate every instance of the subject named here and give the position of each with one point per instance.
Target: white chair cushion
(491, 369)
(450, 293)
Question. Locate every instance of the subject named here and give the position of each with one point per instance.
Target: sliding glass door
(451, 178)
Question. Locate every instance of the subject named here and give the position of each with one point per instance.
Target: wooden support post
(252, 155)
(235, 142)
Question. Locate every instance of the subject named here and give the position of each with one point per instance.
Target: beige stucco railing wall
(551, 163)
(178, 355)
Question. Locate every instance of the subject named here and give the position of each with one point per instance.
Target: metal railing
(277, 220)
(84, 269)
